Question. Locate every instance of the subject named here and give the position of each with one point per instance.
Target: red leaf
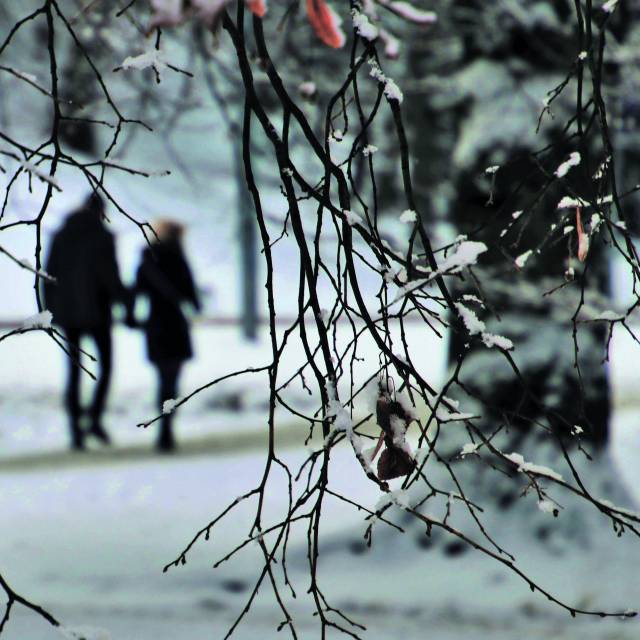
(326, 23)
(583, 238)
(257, 7)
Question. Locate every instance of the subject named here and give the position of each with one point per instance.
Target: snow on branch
(154, 59)
(391, 89)
(476, 326)
(26, 264)
(465, 255)
(572, 161)
(471, 321)
(363, 26)
(40, 320)
(36, 171)
(492, 340)
(409, 12)
(529, 467)
(570, 203)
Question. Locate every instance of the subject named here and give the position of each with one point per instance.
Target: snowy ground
(89, 541)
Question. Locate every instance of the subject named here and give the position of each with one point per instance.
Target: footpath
(207, 445)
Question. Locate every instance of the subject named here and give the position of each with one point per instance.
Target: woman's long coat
(165, 278)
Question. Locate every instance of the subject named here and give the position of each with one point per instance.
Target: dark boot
(97, 431)
(77, 436)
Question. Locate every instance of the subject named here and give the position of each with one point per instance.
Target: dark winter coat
(165, 278)
(83, 261)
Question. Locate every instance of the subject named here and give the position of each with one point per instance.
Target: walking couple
(87, 283)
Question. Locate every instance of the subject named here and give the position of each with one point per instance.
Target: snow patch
(466, 255)
(468, 449)
(530, 467)
(409, 12)
(369, 150)
(568, 202)
(493, 340)
(610, 316)
(40, 320)
(34, 170)
(408, 216)
(307, 89)
(473, 324)
(391, 89)
(169, 406)
(546, 506)
(445, 416)
(153, 58)
(572, 161)
(363, 26)
(521, 260)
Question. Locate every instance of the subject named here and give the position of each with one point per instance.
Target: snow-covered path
(90, 541)
(90, 544)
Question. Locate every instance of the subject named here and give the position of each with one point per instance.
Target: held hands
(131, 322)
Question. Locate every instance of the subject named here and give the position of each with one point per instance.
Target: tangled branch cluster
(410, 416)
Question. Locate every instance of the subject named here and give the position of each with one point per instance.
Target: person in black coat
(82, 260)
(165, 278)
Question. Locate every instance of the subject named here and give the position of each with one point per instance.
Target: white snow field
(89, 540)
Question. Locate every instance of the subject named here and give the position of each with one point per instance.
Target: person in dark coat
(82, 259)
(165, 278)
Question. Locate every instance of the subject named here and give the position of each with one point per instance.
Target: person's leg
(102, 338)
(72, 392)
(168, 374)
